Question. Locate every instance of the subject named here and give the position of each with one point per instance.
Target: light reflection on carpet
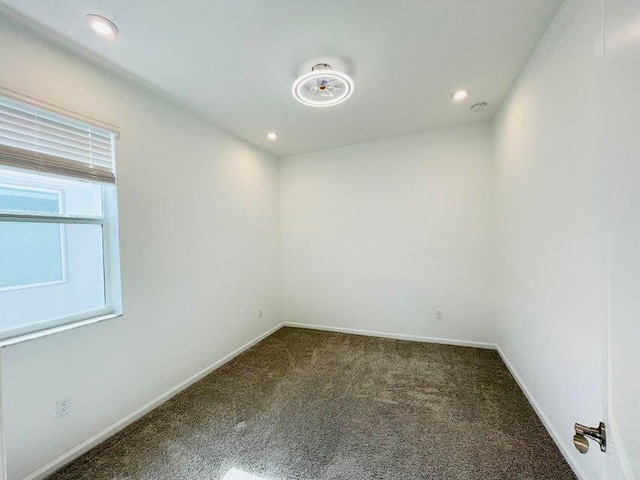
(235, 474)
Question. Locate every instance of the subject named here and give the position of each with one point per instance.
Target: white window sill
(7, 342)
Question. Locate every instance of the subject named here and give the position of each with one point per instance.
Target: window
(58, 222)
(30, 257)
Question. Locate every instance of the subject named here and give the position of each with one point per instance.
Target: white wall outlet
(439, 314)
(63, 407)
(260, 313)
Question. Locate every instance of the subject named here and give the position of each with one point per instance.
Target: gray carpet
(308, 405)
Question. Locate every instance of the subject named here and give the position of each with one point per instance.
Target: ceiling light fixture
(460, 95)
(273, 136)
(479, 107)
(322, 87)
(102, 25)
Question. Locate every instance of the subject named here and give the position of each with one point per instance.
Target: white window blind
(36, 139)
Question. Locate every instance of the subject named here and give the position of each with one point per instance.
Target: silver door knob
(581, 443)
(580, 439)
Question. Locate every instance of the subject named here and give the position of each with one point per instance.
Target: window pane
(29, 200)
(80, 290)
(31, 254)
(22, 191)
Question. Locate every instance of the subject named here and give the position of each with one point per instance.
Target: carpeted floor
(305, 404)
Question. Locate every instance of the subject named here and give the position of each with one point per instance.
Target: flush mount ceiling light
(102, 25)
(322, 87)
(273, 136)
(460, 95)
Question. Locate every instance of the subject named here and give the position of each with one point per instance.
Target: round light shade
(322, 87)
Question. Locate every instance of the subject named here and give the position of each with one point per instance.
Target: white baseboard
(396, 336)
(566, 453)
(100, 437)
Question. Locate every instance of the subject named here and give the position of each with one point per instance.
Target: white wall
(199, 252)
(622, 174)
(549, 243)
(379, 235)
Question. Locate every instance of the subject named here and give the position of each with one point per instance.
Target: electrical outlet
(439, 314)
(260, 313)
(63, 406)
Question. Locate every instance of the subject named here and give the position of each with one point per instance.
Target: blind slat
(54, 130)
(29, 135)
(36, 139)
(40, 162)
(44, 143)
(69, 155)
(44, 118)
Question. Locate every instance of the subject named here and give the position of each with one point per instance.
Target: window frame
(111, 270)
(63, 240)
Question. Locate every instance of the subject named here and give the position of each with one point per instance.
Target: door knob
(581, 443)
(580, 439)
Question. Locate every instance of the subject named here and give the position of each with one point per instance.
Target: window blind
(36, 139)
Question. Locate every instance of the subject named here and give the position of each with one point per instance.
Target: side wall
(380, 235)
(550, 281)
(199, 254)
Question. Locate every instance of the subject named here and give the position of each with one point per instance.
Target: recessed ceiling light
(460, 95)
(102, 25)
(322, 87)
(273, 136)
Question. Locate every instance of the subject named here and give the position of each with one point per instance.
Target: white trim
(52, 218)
(98, 438)
(556, 437)
(36, 285)
(3, 442)
(396, 336)
(22, 334)
(615, 445)
(620, 452)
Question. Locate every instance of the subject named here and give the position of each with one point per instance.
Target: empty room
(319, 240)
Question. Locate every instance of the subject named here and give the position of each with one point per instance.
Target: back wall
(378, 236)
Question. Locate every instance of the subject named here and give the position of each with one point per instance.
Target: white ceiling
(234, 60)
